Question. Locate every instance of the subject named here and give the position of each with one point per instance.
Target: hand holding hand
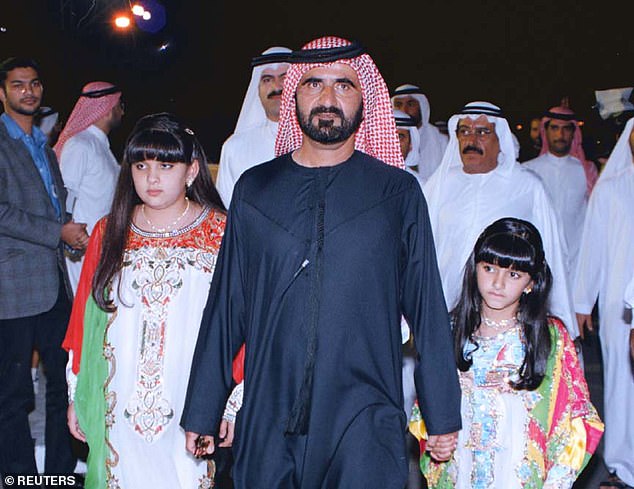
(441, 447)
(74, 235)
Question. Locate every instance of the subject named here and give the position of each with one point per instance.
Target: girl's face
(161, 185)
(501, 289)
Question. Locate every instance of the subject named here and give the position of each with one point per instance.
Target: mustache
(274, 93)
(326, 110)
(472, 149)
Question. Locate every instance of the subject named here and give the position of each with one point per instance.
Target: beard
(18, 109)
(325, 131)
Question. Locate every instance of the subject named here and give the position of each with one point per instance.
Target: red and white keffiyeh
(376, 135)
(576, 149)
(86, 112)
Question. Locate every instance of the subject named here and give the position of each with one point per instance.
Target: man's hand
(226, 433)
(74, 235)
(199, 445)
(584, 321)
(73, 424)
(441, 447)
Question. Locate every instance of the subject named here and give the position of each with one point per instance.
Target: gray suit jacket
(31, 251)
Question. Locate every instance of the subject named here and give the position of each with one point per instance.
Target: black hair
(160, 137)
(516, 244)
(11, 64)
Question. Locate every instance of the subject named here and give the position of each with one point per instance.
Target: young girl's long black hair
(516, 244)
(160, 137)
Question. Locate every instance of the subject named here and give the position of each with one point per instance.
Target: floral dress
(518, 438)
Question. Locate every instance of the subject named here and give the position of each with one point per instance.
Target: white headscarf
(252, 113)
(404, 121)
(507, 160)
(620, 159)
(432, 141)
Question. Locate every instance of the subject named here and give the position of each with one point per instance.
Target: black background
(521, 55)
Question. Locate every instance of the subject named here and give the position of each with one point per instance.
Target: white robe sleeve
(591, 255)
(629, 295)
(225, 180)
(73, 161)
(71, 378)
(234, 403)
(561, 304)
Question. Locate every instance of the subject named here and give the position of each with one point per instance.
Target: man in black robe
(326, 247)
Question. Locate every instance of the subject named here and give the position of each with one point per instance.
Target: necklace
(501, 325)
(169, 227)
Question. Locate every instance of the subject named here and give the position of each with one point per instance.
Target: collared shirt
(35, 143)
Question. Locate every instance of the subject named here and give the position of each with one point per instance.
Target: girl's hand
(73, 424)
(226, 433)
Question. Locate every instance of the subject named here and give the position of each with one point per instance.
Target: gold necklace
(501, 325)
(169, 227)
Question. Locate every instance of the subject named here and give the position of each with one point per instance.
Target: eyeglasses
(464, 132)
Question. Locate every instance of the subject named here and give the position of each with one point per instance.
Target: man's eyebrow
(312, 79)
(23, 80)
(347, 81)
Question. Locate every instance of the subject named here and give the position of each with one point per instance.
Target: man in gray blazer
(35, 298)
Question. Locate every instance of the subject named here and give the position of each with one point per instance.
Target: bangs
(508, 251)
(159, 146)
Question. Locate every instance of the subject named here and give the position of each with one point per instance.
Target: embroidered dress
(145, 352)
(518, 438)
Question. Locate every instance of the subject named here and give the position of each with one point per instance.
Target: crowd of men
(320, 267)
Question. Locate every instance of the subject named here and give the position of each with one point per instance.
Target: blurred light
(164, 46)
(519, 127)
(581, 123)
(3, 29)
(138, 9)
(122, 21)
(157, 16)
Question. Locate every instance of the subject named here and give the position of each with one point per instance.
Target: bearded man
(326, 247)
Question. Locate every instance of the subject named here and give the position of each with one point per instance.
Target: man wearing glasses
(480, 181)
(89, 168)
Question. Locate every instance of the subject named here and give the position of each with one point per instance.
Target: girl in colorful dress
(135, 319)
(526, 415)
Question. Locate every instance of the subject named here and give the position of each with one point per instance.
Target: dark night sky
(524, 56)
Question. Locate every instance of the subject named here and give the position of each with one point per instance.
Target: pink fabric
(86, 112)
(376, 135)
(576, 149)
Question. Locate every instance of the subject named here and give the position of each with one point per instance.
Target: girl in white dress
(135, 320)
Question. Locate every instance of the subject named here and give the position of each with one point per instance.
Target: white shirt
(565, 182)
(606, 265)
(90, 173)
(242, 151)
